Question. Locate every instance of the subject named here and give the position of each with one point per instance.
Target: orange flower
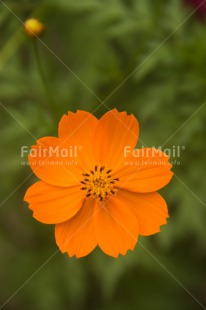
(94, 188)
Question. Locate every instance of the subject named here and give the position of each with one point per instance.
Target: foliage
(89, 50)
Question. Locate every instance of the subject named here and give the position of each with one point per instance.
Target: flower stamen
(98, 183)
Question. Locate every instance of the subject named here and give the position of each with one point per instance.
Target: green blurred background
(102, 42)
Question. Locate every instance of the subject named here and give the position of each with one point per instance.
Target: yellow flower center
(98, 183)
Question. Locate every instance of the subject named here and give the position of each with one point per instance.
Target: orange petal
(116, 227)
(150, 209)
(115, 131)
(52, 204)
(76, 236)
(51, 161)
(78, 129)
(148, 172)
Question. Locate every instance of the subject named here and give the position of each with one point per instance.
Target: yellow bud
(33, 27)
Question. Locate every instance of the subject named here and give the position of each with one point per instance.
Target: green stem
(10, 48)
(51, 102)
